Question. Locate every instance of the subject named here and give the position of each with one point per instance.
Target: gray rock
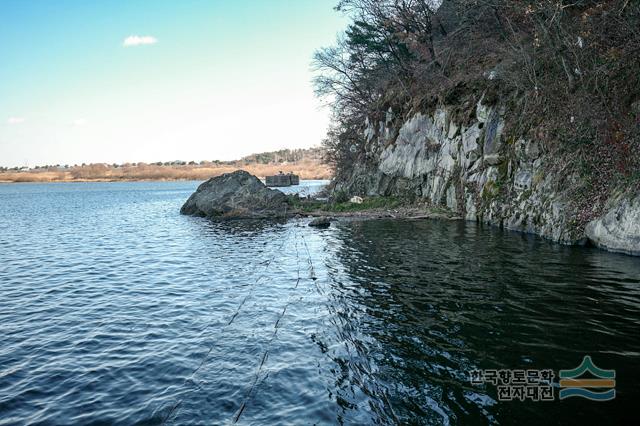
(452, 199)
(453, 130)
(482, 111)
(237, 194)
(532, 150)
(493, 134)
(492, 159)
(470, 138)
(619, 229)
(523, 179)
(321, 222)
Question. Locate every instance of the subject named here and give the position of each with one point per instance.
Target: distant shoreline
(136, 180)
(306, 169)
(306, 163)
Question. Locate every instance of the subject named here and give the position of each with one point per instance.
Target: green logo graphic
(603, 381)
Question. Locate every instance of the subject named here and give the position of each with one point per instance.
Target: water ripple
(115, 309)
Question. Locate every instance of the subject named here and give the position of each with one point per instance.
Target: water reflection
(418, 304)
(237, 228)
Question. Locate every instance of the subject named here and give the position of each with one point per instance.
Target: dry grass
(306, 169)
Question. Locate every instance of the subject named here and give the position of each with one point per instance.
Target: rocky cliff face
(476, 171)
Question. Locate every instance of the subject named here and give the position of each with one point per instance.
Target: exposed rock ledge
(468, 166)
(619, 229)
(237, 194)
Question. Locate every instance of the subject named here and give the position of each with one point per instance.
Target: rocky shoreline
(240, 195)
(473, 169)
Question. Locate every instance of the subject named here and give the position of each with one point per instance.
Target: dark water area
(115, 309)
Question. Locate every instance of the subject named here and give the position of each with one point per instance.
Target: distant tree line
(274, 157)
(284, 155)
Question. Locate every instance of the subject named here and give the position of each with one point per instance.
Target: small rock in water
(321, 222)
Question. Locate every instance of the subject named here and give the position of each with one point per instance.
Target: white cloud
(79, 122)
(15, 120)
(134, 40)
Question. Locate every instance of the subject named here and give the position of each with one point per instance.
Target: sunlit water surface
(114, 308)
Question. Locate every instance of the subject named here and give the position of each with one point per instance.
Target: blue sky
(199, 80)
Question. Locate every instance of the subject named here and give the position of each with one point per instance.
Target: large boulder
(619, 229)
(237, 194)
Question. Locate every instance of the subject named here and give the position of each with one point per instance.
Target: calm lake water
(114, 308)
